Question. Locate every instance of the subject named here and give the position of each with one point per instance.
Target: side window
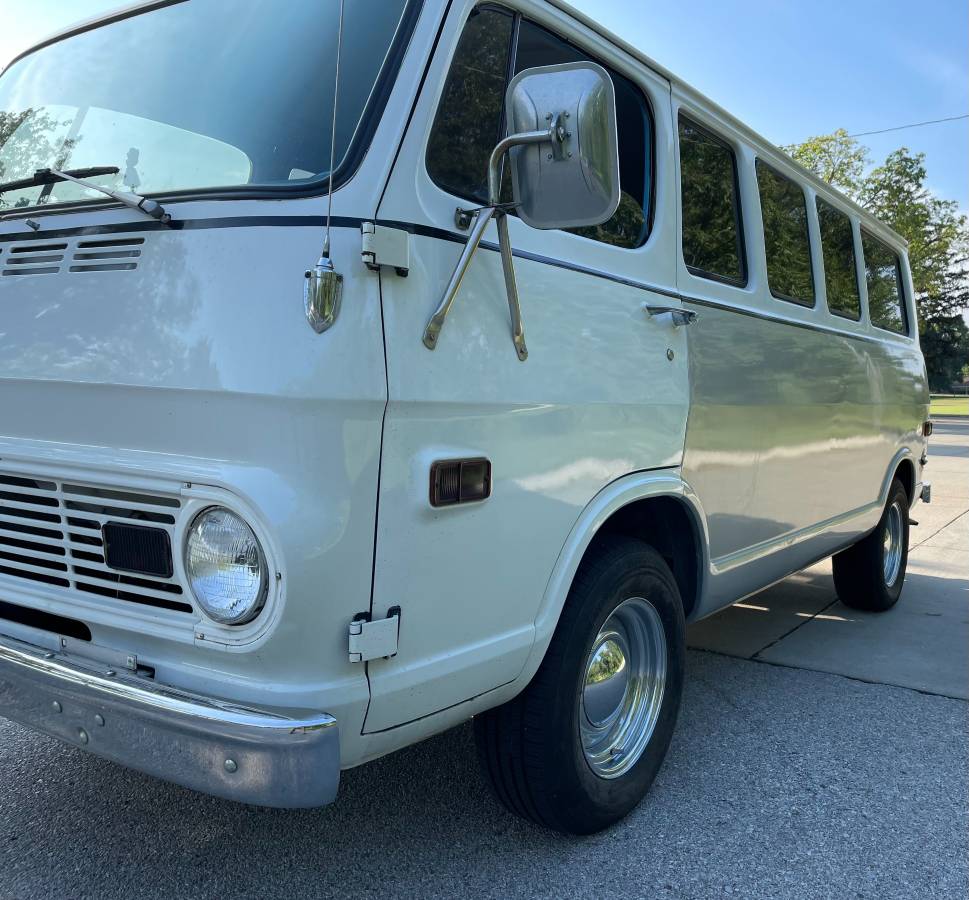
(469, 116)
(469, 120)
(886, 308)
(838, 252)
(712, 234)
(784, 211)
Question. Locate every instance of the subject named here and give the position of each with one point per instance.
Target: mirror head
(571, 179)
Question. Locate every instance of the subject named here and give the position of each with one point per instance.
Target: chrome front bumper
(247, 755)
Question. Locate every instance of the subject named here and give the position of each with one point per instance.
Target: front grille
(50, 535)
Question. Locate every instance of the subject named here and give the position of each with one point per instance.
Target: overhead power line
(913, 125)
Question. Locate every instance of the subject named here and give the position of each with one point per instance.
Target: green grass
(949, 406)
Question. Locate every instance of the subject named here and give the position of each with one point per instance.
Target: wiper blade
(130, 199)
(47, 176)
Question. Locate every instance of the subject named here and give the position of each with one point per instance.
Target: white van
(583, 359)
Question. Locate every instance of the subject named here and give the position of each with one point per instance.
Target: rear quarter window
(838, 255)
(883, 272)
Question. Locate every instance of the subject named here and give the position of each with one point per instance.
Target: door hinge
(374, 638)
(383, 246)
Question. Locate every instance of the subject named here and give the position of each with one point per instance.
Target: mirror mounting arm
(481, 220)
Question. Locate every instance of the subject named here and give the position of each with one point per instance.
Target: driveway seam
(939, 531)
(787, 634)
(860, 680)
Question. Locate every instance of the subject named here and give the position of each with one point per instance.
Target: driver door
(603, 392)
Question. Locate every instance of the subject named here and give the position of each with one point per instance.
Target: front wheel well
(669, 527)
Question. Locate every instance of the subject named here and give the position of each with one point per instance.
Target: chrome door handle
(680, 316)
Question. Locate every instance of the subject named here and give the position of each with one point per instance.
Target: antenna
(323, 287)
(336, 100)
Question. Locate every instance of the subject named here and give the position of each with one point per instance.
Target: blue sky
(789, 68)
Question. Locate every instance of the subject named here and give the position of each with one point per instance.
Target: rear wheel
(580, 746)
(869, 575)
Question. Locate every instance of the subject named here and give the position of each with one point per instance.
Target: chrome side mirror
(574, 181)
(565, 170)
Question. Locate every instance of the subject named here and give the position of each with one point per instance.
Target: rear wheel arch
(905, 473)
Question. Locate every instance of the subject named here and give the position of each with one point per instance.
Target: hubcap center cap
(606, 680)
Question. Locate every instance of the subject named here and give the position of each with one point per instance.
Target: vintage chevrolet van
(582, 359)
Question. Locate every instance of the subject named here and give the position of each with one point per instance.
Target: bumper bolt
(99, 719)
(230, 766)
(82, 735)
(57, 706)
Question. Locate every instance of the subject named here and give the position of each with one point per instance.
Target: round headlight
(225, 567)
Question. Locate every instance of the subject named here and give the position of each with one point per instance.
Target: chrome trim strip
(443, 235)
(766, 548)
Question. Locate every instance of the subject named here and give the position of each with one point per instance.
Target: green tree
(938, 235)
(836, 158)
(945, 343)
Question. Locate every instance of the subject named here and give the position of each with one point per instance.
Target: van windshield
(195, 95)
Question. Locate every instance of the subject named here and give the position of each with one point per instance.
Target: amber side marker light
(456, 481)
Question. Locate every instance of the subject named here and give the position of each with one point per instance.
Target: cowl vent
(48, 258)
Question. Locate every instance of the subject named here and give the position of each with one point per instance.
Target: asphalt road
(779, 782)
(782, 780)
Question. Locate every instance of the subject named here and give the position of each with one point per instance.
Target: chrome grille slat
(50, 535)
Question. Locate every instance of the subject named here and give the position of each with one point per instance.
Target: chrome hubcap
(893, 544)
(622, 693)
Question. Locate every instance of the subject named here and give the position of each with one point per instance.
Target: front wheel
(869, 575)
(579, 747)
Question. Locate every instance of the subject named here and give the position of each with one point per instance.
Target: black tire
(531, 748)
(861, 575)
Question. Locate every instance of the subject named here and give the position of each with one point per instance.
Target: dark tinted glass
(468, 121)
(712, 244)
(629, 227)
(840, 274)
(883, 273)
(193, 95)
(788, 246)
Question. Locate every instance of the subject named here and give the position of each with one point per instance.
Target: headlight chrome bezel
(258, 603)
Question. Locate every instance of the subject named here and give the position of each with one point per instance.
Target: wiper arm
(45, 176)
(134, 201)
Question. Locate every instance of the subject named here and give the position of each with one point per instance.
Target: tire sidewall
(607, 799)
(897, 495)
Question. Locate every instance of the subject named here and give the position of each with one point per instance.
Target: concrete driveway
(820, 753)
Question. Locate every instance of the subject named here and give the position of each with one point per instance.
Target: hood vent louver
(33, 259)
(108, 255)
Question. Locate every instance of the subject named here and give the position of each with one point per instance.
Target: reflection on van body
(298, 550)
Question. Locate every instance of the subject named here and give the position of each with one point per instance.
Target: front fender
(613, 497)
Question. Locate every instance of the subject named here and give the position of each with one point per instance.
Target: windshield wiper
(51, 176)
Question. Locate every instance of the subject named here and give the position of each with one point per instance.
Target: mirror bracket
(557, 135)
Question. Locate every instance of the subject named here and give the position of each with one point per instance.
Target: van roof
(128, 9)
